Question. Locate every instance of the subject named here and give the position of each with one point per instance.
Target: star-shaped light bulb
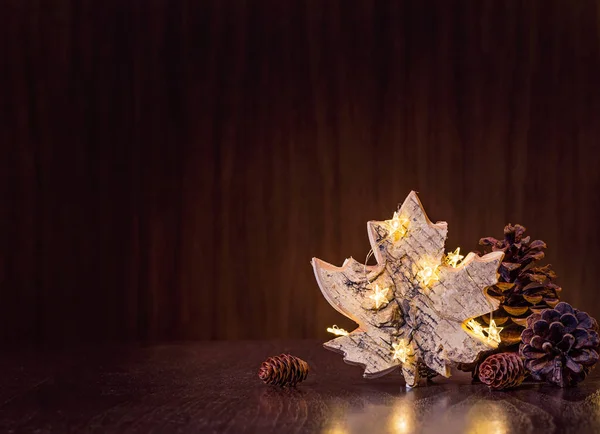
(337, 331)
(379, 296)
(397, 226)
(453, 258)
(428, 273)
(493, 332)
(476, 328)
(400, 351)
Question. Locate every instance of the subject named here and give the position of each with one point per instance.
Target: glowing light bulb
(337, 331)
(401, 351)
(428, 273)
(476, 328)
(379, 296)
(493, 332)
(397, 226)
(453, 258)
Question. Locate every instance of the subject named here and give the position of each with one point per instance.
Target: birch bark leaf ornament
(414, 306)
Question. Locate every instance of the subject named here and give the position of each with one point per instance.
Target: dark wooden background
(170, 167)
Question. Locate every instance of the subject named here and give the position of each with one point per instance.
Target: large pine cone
(522, 288)
(560, 345)
(502, 371)
(284, 370)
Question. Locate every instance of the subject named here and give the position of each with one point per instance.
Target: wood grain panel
(170, 167)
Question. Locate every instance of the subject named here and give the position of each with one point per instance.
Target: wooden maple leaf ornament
(410, 307)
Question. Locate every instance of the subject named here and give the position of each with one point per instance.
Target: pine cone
(284, 370)
(560, 345)
(522, 288)
(473, 368)
(518, 250)
(502, 371)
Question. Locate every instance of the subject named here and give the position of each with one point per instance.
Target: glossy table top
(213, 387)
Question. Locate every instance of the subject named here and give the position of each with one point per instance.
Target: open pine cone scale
(522, 288)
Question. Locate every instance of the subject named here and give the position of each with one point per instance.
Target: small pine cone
(502, 371)
(560, 345)
(284, 370)
(474, 367)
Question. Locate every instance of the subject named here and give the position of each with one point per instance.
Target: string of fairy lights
(398, 227)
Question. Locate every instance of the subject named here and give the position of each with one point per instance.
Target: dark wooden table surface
(213, 387)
